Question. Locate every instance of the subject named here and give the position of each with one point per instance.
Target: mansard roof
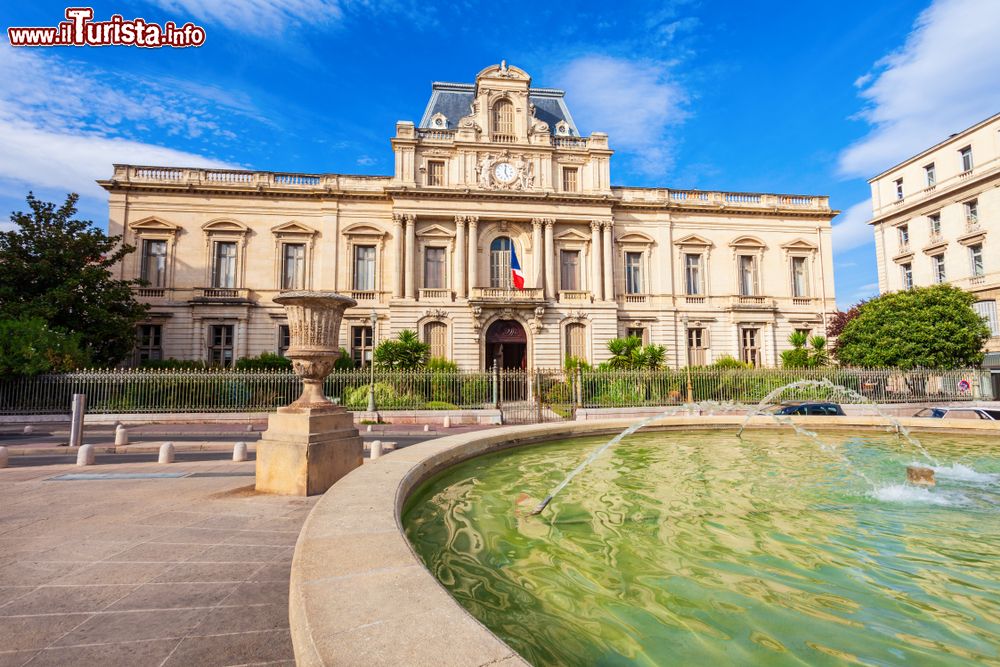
(454, 100)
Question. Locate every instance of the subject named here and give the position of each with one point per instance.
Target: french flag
(516, 274)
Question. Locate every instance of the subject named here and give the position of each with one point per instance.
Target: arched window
(436, 335)
(503, 121)
(576, 341)
(500, 262)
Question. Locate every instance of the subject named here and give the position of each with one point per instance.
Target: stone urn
(314, 329)
(311, 443)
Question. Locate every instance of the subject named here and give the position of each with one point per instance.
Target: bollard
(4, 457)
(121, 436)
(368, 429)
(240, 451)
(29, 429)
(76, 424)
(249, 427)
(85, 456)
(447, 422)
(376, 449)
(166, 453)
(427, 427)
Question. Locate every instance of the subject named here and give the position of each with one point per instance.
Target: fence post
(76, 421)
(496, 385)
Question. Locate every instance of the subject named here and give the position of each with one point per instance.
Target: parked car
(989, 414)
(809, 408)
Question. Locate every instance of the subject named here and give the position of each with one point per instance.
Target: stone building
(936, 218)
(492, 166)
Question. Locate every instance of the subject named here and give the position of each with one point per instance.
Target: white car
(989, 414)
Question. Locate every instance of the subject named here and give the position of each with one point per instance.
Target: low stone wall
(361, 596)
(851, 410)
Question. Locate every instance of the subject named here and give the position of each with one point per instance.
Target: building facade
(492, 166)
(936, 218)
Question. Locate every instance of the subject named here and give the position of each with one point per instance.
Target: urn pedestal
(311, 443)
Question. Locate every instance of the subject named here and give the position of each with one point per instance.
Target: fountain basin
(361, 595)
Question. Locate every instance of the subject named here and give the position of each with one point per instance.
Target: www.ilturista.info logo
(81, 30)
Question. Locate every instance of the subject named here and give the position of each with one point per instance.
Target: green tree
(29, 347)
(405, 352)
(631, 353)
(806, 352)
(58, 269)
(926, 327)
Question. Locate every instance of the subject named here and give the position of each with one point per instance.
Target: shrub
(266, 361)
(386, 398)
(29, 347)
(173, 364)
(726, 361)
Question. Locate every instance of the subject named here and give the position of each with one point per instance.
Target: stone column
(473, 250)
(550, 260)
(459, 264)
(609, 262)
(536, 246)
(411, 257)
(596, 280)
(397, 279)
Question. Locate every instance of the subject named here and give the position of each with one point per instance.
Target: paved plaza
(183, 570)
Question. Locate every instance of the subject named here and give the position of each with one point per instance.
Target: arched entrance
(507, 344)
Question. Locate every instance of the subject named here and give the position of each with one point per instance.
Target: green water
(701, 549)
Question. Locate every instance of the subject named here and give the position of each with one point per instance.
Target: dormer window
(503, 121)
(439, 122)
(562, 129)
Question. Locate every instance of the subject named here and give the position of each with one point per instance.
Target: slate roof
(454, 100)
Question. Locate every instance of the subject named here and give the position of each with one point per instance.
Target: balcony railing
(221, 294)
(977, 280)
(503, 138)
(636, 298)
(575, 296)
(243, 180)
(363, 295)
(434, 294)
(694, 299)
(972, 224)
(569, 142)
(150, 292)
(754, 302)
(802, 300)
(436, 135)
(507, 295)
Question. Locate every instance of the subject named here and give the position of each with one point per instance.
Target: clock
(504, 172)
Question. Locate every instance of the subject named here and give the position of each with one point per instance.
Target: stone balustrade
(502, 294)
(248, 180)
(664, 196)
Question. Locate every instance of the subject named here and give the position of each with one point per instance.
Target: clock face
(504, 172)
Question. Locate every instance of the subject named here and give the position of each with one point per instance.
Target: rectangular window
(570, 179)
(148, 343)
(434, 277)
(899, 188)
(576, 341)
(633, 273)
(748, 275)
(939, 273)
(907, 272)
(436, 335)
(636, 332)
(224, 274)
(800, 282)
(988, 310)
(931, 174)
(361, 346)
(935, 221)
(435, 172)
(154, 263)
(693, 275)
(976, 257)
(749, 346)
(972, 211)
(966, 156)
(904, 236)
(293, 266)
(220, 345)
(284, 339)
(364, 268)
(697, 340)
(569, 270)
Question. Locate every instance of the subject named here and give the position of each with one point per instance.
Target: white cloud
(634, 101)
(851, 229)
(944, 79)
(259, 17)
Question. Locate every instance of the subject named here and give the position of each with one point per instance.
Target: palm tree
(406, 352)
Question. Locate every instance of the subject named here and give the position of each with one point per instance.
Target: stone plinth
(305, 450)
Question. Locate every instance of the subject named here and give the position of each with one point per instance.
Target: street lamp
(371, 364)
(687, 346)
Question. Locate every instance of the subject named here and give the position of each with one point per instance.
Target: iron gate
(535, 396)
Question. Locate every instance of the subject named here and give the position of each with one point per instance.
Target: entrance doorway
(507, 345)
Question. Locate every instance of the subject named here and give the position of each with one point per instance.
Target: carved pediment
(636, 237)
(747, 242)
(503, 71)
(572, 234)
(154, 224)
(436, 231)
(293, 228)
(694, 240)
(799, 244)
(364, 229)
(223, 225)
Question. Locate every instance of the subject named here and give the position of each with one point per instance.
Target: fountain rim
(376, 603)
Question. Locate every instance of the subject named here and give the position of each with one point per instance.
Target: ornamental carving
(505, 172)
(438, 313)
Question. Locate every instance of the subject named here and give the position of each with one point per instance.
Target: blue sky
(767, 96)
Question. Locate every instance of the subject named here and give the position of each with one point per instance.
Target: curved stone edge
(360, 595)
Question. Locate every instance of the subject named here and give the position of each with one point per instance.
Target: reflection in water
(692, 548)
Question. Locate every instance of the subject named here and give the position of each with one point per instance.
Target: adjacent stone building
(936, 218)
(492, 166)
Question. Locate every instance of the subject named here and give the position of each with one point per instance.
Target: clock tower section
(501, 135)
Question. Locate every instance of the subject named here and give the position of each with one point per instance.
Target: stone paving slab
(152, 571)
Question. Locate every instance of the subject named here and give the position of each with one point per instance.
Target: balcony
(746, 302)
(575, 296)
(435, 294)
(503, 295)
(802, 300)
(221, 295)
(369, 295)
(636, 298)
(694, 299)
(149, 292)
(436, 135)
